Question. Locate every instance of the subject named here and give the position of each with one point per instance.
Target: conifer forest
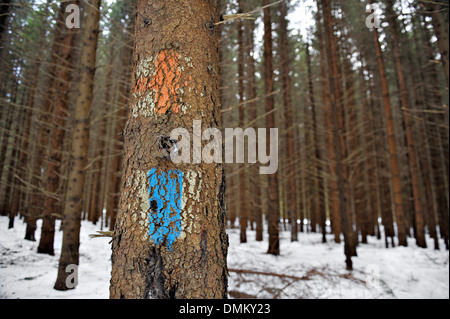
(224, 149)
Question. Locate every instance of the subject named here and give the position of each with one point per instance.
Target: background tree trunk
(273, 212)
(395, 173)
(80, 141)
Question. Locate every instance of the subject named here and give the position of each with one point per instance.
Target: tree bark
(243, 198)
(412, 155)
(318, 181)
(337, 112)
(395, 173)
(273, 209)
(252, 115)
(52, 182)
(288, 117)
(34, 210)
(80, 142)
(169, 240)
(332, 177)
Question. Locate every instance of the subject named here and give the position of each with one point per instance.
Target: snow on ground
(316, 270)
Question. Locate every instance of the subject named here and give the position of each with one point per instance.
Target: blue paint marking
(166, 189)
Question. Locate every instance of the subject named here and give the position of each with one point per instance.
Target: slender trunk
(273, 212)
(252, 115)
(332, 178)
(53, 169)
(288, 117)
(80, 140)
(35, 205)
(243, 198)
(421, 98)
(318, 182)
(116, 165)
(337, 111)
(395, 173)
(5, 142)
(382, 165)
(412, 155)
(371, 181)
(12, 165)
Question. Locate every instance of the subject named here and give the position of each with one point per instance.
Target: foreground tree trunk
(80, 141)
(169, 240)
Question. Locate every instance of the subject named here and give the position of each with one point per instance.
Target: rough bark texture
(80, 141)
(170, 239)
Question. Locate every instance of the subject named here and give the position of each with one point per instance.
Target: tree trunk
(112, 202)
(421, 100)
(169, 240)
(243, 198)
(80, 141)
(273, 212)
(337, 112)
(255, 184)
(412, 155)
(288, 117)
(395, 173)
(332, 177)
(318, 182)
(34, 210)
(53, 170)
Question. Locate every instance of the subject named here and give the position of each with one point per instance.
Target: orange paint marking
(166, 82)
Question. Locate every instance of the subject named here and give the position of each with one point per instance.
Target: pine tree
(169, 240)
(73, 197)
(272, 191)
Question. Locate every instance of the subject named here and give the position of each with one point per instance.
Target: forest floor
(305, 269)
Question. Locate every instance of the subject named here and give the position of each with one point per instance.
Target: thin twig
(246, 15)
